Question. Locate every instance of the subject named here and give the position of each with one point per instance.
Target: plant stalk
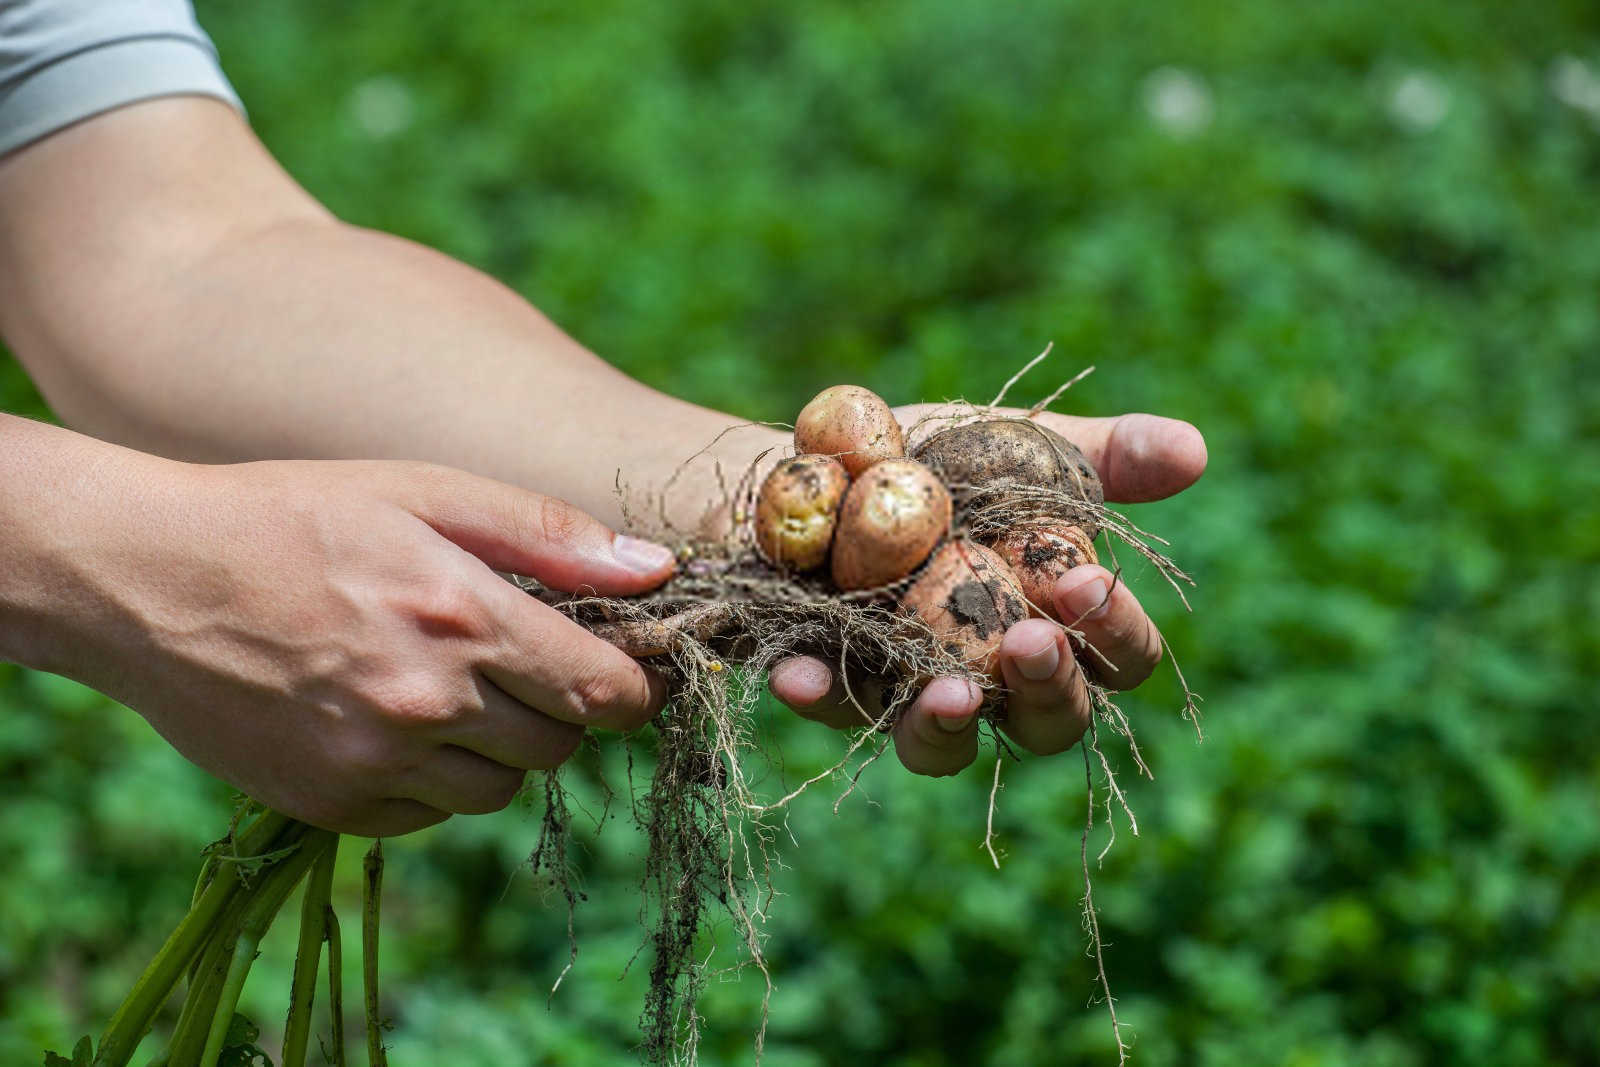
(371, 897)
(262, 907)
(314, 910)
(133, 1017)
(336, 988)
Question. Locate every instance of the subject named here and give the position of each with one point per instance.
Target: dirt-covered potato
(977, 458)
(852, 423)
(797, 509)
(1041, 552)
(968, 597)
(890, 520)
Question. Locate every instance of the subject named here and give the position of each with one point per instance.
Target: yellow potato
(796, 511)
(890, 520)
(1041, 552)
(852, 423)
(968, 597)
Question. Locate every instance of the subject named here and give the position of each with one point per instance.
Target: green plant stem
(372, 891)
(262, 907)
(205, 986)
(336, 987)
(193, 1031)
(133, 1017)
(314, 910)
(243, 955)
(213, 861)
(210, 971)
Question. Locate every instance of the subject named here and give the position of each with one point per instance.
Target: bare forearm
(63, 496)
(256, 326)
(316, 339)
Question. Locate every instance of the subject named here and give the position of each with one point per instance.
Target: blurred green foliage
(1357, 244)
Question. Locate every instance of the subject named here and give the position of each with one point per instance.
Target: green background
(1356, 243)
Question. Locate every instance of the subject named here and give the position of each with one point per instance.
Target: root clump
(714, 631)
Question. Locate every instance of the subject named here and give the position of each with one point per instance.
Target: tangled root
(714, 631)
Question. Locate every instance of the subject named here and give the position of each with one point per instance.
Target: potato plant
(900, 567)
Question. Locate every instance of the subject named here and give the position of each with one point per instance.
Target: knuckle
(558, 521)
(450, 606)
(418, 705)
(418, 483)
(426, 474)
(371, 757)
(605, 693)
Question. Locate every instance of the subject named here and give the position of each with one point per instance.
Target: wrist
(69, 503)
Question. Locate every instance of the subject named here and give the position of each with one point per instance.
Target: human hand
(1139, 458)
(332, 638)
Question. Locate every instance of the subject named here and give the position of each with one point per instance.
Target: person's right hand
(332, 638)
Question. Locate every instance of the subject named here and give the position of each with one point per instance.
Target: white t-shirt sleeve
(62, 61)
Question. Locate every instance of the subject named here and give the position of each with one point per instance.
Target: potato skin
(797, 510)
(968, 597)
(890, 520)
(1041, 552)
(997, 452)
(852, 423)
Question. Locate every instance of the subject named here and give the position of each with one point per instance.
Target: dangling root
(714, 631)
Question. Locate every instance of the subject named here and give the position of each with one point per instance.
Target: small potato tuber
(979, 460)
(852, 423)
(1041, 552)
(968, 597)
(890, 520)
(797, 509)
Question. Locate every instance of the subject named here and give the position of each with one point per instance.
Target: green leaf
(241, 1031)
(243, 1056)
(82, 1055)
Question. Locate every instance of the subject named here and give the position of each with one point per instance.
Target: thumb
(531, 534)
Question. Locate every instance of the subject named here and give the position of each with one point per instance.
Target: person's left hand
(1139, 458)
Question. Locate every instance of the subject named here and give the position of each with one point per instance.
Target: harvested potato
(890, 520)
(797, 509)
(1041, 552)
(852, 423)
(982, 457)
(968, 597)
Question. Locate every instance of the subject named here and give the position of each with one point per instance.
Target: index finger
(552, 664)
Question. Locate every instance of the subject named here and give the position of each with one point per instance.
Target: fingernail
(1086, 601)
(1040, 665)
(646, 557)
(953, 726)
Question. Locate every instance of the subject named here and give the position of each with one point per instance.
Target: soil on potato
(973, 603)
